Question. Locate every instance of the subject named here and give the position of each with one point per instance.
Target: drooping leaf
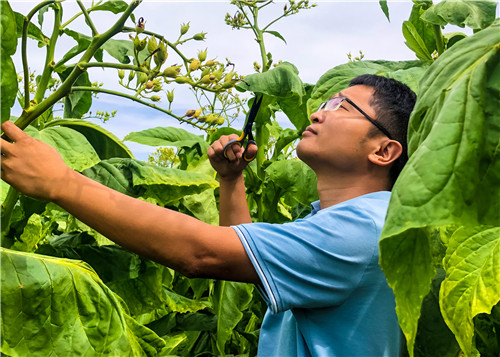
(276, 34)
(8, 48)
(83, 42)
(452, 175)
(167, 136)
(472, 279)
(229, 299)
(77, 103)
(135, 178)
(338, 78)
(300, 187)
(73, 147)
(53, 301)
(115, 6)
(424, 29)
(474, 14)
(202, 206)
(415, 42)
(105, 143)
(41, 12)
(385, 8)
(33, 31)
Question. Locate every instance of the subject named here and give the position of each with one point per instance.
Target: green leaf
(451, 178)
(415, 42)
(276, 34)
(385, 8)
(77, 103)
(115, 6)
(167, 136)
(119, 49)
(301, 187)
(53, 301)
(202, 206)
(229, 299)
(472, 279)
(83, 42)
(424, 29)
(8, 29)
(338, 78)
(33, 31)
(73, 147)
(282, 81)
(105, 143)
(134, 178)
(8, 86)
(474, 14)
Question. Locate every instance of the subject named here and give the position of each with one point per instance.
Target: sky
(317, 40)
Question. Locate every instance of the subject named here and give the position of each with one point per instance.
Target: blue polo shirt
(320, 277)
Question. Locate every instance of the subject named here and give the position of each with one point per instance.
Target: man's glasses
(336, 102)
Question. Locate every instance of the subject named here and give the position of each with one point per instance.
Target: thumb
(251, 152)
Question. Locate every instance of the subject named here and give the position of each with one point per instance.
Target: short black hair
(393, 103)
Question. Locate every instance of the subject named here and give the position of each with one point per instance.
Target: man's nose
(318, 116)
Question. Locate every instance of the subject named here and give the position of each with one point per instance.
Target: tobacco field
(66, 290)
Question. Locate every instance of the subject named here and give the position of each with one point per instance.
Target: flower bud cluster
(209, 120)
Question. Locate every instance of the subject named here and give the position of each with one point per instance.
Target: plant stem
(114, 65)
(31, 113)
(439, 39)
(135, 99)
(49, 58)
(87, 17)
(24, 55)
(7, 209)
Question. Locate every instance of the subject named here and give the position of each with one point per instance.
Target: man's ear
(386, 153)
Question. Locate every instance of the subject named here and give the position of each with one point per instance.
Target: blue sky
(317, 40)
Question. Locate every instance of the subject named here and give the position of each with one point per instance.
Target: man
(326, 293)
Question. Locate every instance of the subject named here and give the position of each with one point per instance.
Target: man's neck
(333, 190)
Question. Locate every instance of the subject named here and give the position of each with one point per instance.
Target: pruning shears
(247, 131)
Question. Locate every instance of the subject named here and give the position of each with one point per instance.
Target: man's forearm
(168, 237)
(233, 207)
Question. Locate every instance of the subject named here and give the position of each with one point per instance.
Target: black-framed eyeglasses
(336, 102)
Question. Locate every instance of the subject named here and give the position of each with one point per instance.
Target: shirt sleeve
(314, 262)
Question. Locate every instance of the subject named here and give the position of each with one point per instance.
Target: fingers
(13, 131)
(216, 150)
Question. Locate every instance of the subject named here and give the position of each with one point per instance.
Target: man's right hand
(231, 167)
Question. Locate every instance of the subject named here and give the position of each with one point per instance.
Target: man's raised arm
(233, 208)
(181, 242)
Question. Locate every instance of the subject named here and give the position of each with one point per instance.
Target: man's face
(338, 139)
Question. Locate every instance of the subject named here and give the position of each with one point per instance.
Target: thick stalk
(7, 209)
(439, 39)
(49, 58)
(30, 114)
(24, 52)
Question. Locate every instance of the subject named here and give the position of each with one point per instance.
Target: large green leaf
(283, 84)
(74, 148)
(299, 187)
(472, 280)
(338, 78)
(105, 143)
(8, 48)
(202, 206)
(137, 178)
(452, 175)
(229, 299)
(167, 136)
(474, 14)
(48, 301)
